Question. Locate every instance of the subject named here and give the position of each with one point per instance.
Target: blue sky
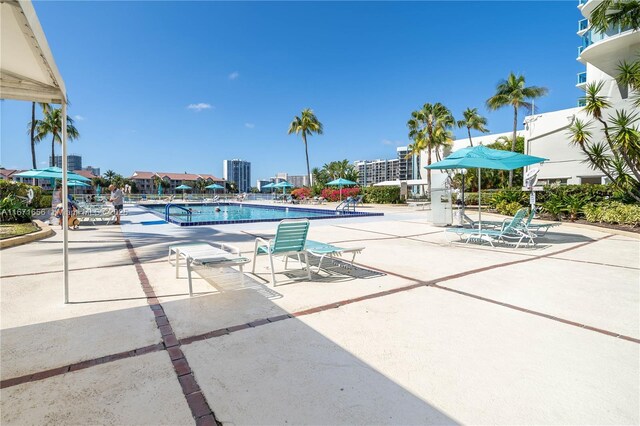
(132, 69)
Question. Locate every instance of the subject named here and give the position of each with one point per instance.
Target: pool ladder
(168, 207)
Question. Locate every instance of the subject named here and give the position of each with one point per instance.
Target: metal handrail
(168, 206)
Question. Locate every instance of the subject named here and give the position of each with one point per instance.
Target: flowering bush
(331, 194)
(300, 193)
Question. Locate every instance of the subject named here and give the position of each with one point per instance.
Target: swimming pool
(206, 214)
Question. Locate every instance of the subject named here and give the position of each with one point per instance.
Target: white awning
(29, 73)
(27, 69)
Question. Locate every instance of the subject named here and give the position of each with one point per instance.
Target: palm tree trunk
(429, 170)
(53, 150)
(33, 134)
(513, 141)
(469, 132)
(306, 153)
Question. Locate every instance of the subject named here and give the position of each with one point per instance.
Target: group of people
(116, 198)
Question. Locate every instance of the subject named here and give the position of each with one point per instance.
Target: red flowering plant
(300, 193)
(331, 194)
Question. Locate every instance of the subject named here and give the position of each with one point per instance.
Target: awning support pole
(65, 205)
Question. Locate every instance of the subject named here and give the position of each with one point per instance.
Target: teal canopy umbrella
(184, 188)
(214, 186)
(75, 183)
(340, 183)
(480, 157)
(283, 185)
(51, 173)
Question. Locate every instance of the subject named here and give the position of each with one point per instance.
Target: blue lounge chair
(322, 250)
(290, 239)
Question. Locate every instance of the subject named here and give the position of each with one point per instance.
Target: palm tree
(306, 124)
(619, 13)
(109, 175)
(429, 128)
(51, 124)
(473, 121)
(513, 91)
(32, 129)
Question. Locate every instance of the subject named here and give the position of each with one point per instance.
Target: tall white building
(371, 172)
(239, 172)
(547, 134)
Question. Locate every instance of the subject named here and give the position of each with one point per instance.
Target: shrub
(613, 212)
(19, 189)
(382, 194)
(573, 205)
(45, 201)
(508, 208)
(508, 196)
(300, 193)
(331, 194)
(13, 210)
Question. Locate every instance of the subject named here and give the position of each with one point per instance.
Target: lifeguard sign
(530, 180)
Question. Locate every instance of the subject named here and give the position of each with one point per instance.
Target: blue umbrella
(214, 186)
(284, 185)
(184, 188)
(51, 173)
(480, 157)
(340, 183)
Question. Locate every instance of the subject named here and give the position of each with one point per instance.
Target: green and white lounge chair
(509, 232)
(322, 250)
(290, 239)
(539, 228)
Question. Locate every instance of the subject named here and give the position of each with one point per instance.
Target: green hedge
(382, 194)
(18, 189)
(613, 212)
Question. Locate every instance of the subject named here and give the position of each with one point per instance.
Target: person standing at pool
(118, 200)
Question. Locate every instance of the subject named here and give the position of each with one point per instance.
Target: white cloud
(44, 162)
(234, 75)
(199, 107)
(249, 125)
(78, 117)
(394, 143)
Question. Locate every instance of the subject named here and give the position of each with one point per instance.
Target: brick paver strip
(196, 400)
(176, 355)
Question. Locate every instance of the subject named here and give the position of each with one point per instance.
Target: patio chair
(322, 250)
(290, 239)
(510, 231)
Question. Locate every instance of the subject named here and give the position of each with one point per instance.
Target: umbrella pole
(65, 205)
(479, 201)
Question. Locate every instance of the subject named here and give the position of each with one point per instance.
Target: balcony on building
(582, 79)
(582, 102)
(583, 26)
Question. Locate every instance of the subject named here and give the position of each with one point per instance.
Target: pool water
(206, 214)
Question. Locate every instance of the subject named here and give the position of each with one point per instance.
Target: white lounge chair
(207, 255)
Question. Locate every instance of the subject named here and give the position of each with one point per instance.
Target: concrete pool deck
(427, 332)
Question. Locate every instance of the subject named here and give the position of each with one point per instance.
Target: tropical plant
(513, 92)
(341, 169)
(430, 130)
(32, 129)
(617, 154)
(306, 124)
(51, 124)
(382, 194)
(554, 206)
(629, 75)
(109, 175)
(573, 205)
(617, 13)
(613, 212)
(473, 121)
